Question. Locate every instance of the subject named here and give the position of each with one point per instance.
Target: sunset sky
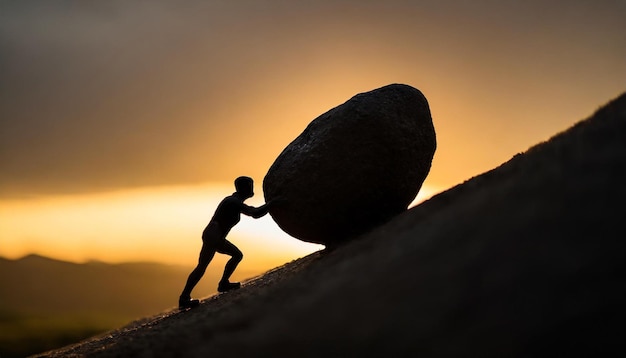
(122, 124)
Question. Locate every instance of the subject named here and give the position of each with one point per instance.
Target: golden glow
(97, 104)
(156, 224)
(161, 224)
(426, 192)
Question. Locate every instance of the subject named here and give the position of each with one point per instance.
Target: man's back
(228, 213)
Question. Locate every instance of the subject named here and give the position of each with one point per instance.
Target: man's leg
(206, 255)
(235, 258)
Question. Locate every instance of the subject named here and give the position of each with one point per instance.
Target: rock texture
(354, 167)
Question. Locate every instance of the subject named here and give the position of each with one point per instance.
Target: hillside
(524, 260)
(69, 286)
(47, 303)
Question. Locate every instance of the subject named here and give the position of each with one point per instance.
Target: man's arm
(255, 212)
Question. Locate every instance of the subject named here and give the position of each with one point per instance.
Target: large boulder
(354, 167)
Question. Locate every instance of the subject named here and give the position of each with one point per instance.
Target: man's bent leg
(206, 255)
(235, 258)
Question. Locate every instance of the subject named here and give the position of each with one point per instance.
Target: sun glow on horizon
(152, 224)
(161, 224)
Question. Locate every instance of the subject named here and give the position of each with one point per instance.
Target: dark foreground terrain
(524, 260)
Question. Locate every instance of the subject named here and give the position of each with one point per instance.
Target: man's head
(245, 186)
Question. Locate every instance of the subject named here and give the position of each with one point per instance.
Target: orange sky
(148, 224)
(98, 98)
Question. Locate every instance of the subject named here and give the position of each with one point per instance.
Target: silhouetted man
(227, 215)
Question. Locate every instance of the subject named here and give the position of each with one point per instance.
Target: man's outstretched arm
(255, 212)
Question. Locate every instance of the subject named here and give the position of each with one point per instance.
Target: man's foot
(184, 303)
(227, 286)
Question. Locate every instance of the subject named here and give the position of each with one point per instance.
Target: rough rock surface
(354, 167)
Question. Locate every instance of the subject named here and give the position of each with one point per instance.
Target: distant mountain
(39, 285)
(525, 260)
(47, 303)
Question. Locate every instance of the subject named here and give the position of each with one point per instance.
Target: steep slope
(524, 260)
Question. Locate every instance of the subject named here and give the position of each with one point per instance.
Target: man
(227, 215)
